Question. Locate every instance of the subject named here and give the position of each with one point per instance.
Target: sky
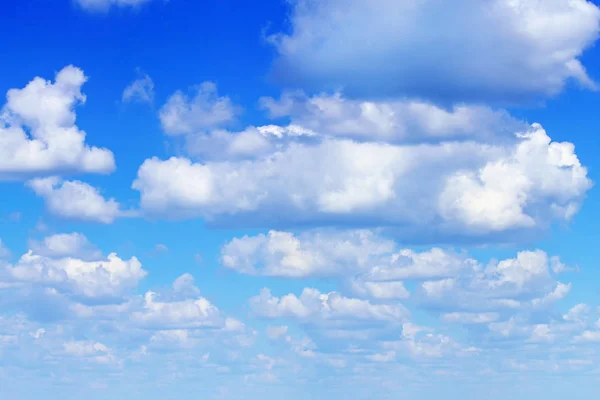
(309, 199)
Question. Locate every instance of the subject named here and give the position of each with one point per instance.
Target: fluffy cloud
(371, 266)
(184, 115)
(142, 90)
(76, 200)
(374, 266)
(312, 253)
(97, 279)
(402, 121)
(501, 50)
(163, 327)
(38, 135)
(457, 188)
(523, 282)
(252, 142)
(420, 343)
(313, 307)
(65, 245)
(189, 313)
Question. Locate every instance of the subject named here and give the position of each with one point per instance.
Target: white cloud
(142, 90)
(183, 115)
(495, 196)
(179, 314)
(65, 245)
(121, 337)
(313, 307)
(184, 285)
(500, 50)
(407, 264)
(99, 278)
(459, 188)
(577, 313)
(402, 121)
(312, 253)
(76, 200)
(104, 5)
(560, 292)
(252, 142)
(372, 266)
(38, 135)
(524, 281)
(420, 343)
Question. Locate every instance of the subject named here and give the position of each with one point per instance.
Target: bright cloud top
(449, 188)
(315, 307)
(372, 266)
(400, 121)
(500, 50)
(38, 135)
(76, 200)
(101, 277)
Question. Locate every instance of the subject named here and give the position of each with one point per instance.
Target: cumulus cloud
(522, 282)
(402, 121)
(313, 307)
(76, 200)
(100, 278)
(371, 266)
(141, 90)
(205, 109)
(38, 135)
(458, 188)
(500, 50)
(370, 256)
(252, 142)
(419, 343)
(65, 245)
(122, 336)
(201, 119)
(189, 313)
(312, 253)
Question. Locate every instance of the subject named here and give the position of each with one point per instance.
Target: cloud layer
(448, 188)
(500, 50)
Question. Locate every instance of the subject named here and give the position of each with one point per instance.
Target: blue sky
(310, 199)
